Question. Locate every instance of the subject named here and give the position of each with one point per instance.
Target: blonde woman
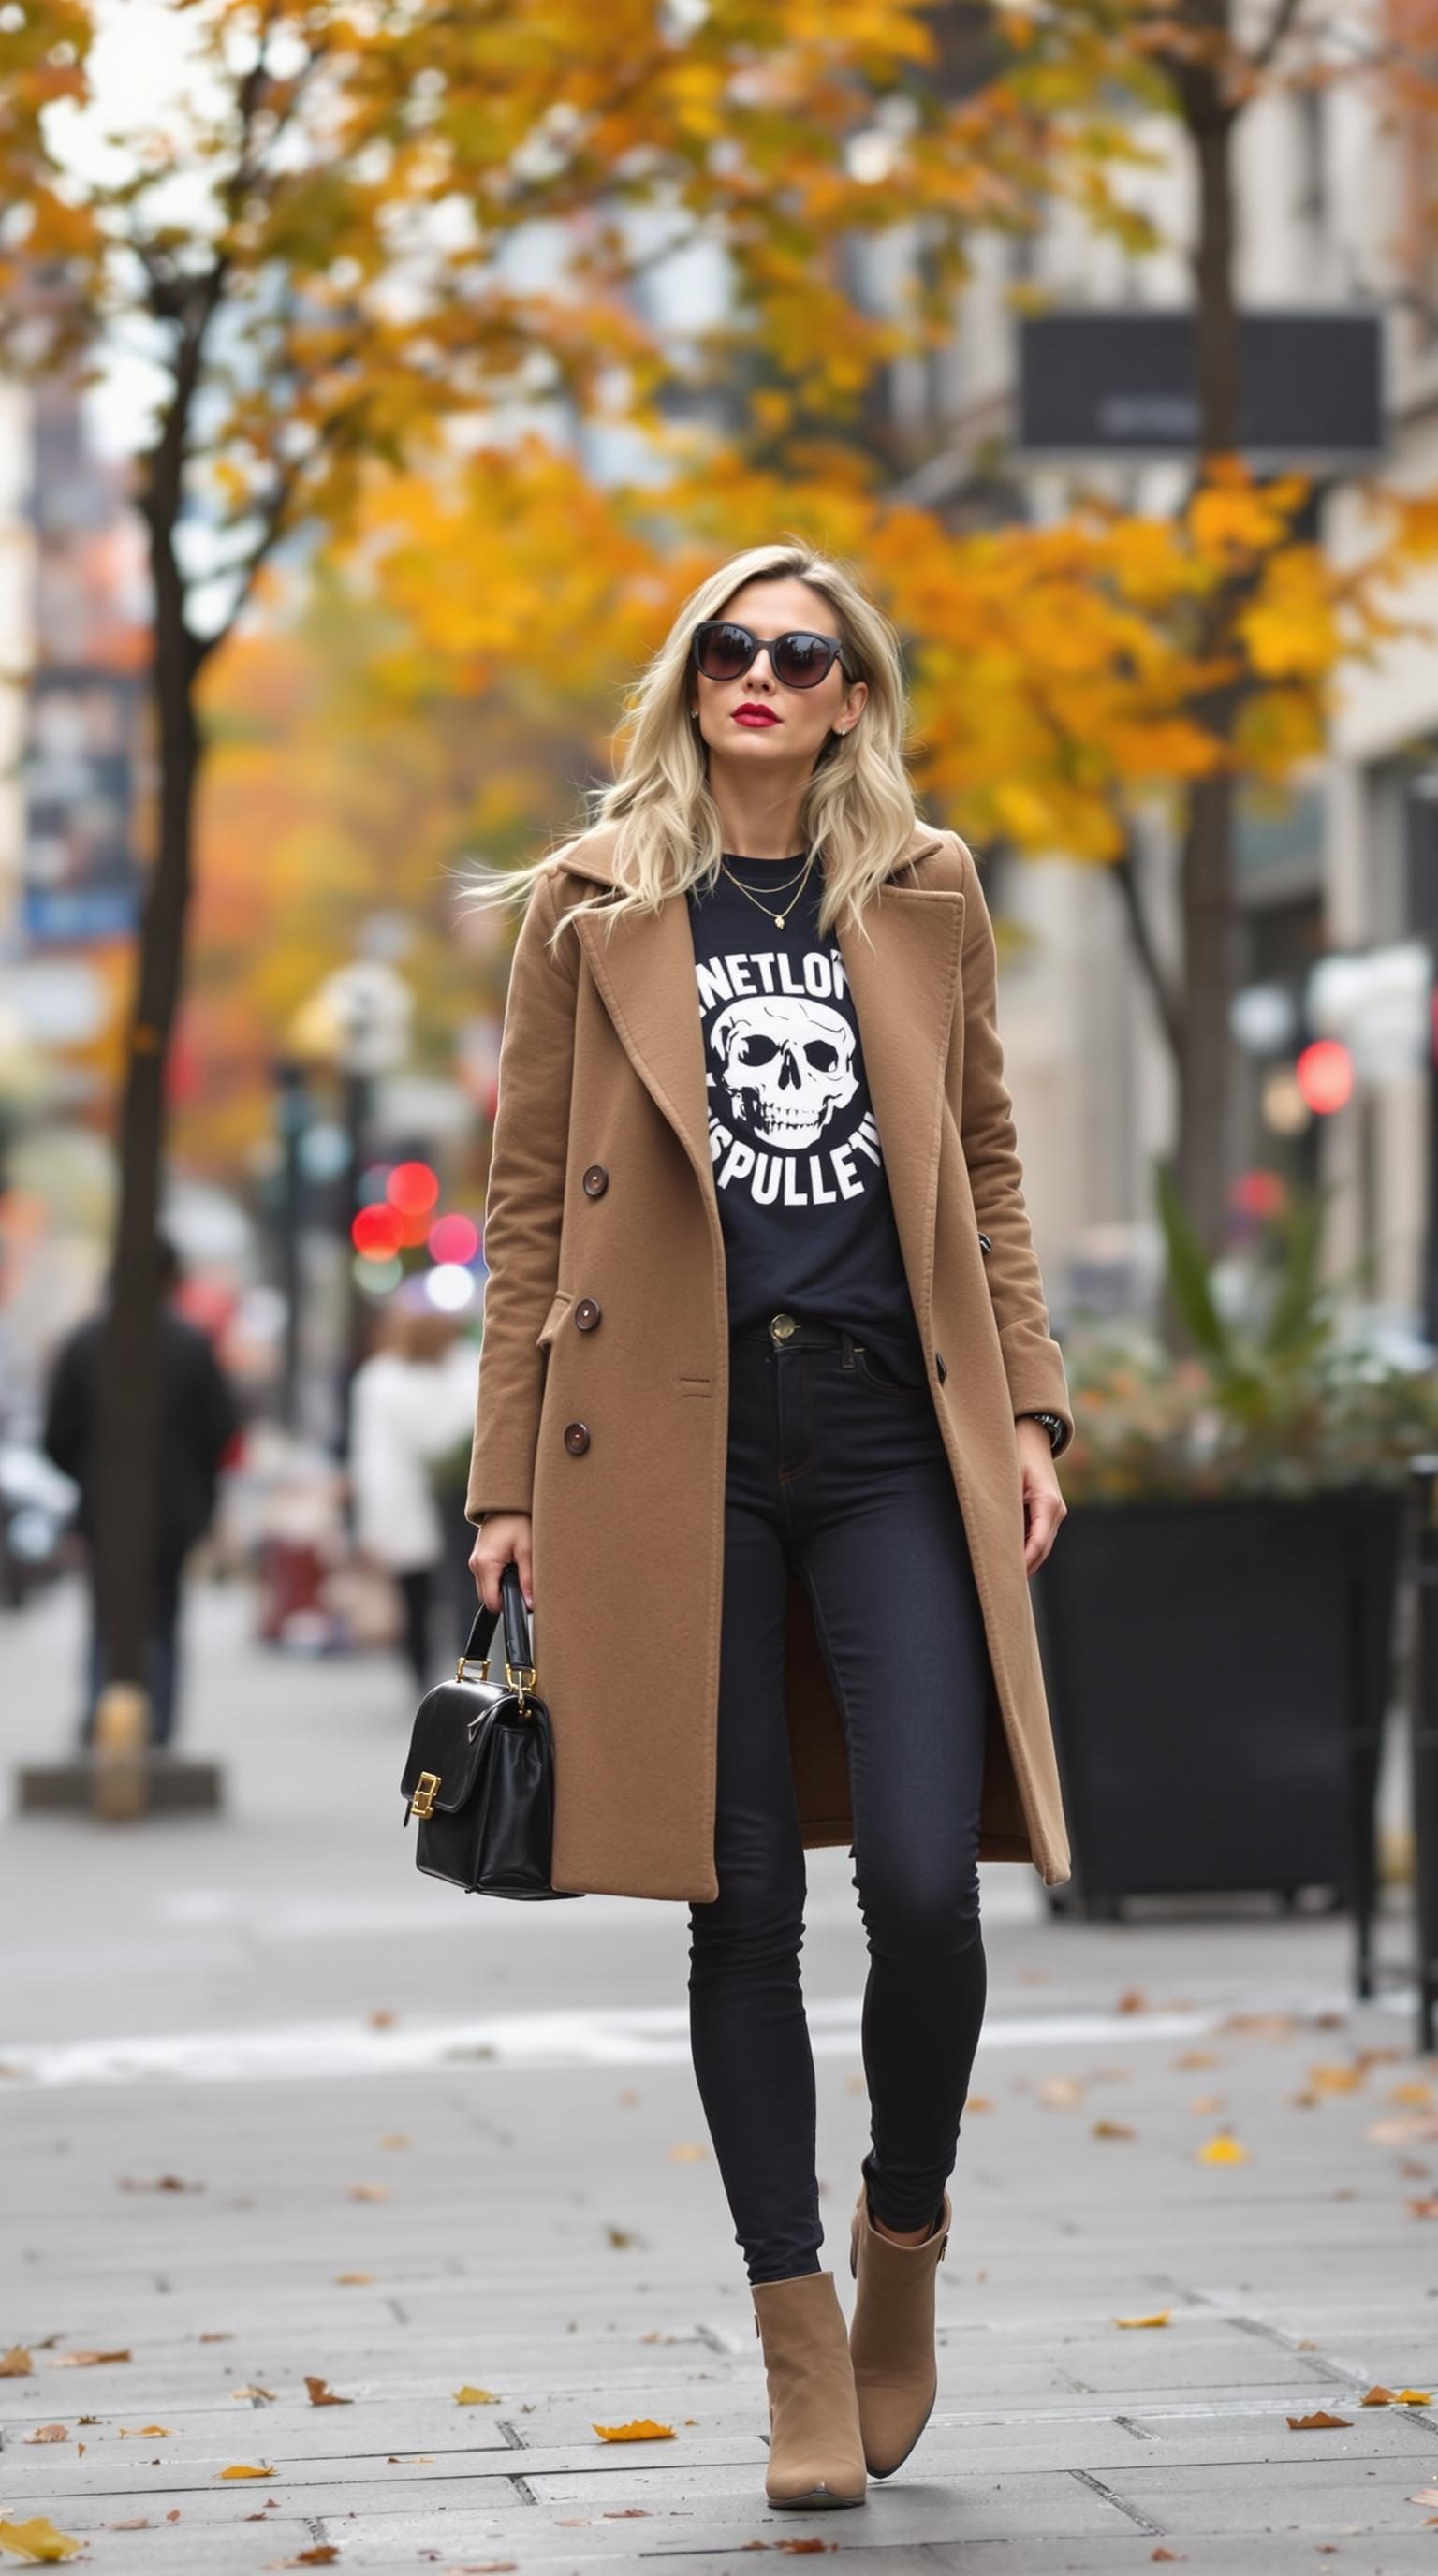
(768, 1404)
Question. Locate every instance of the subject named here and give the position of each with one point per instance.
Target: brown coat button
(596, 1181)
(587, 1314)
(576, 1438)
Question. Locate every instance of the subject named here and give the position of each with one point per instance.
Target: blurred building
(1334, 187)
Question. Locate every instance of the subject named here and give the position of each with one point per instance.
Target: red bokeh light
(1258, 1193)
(377, 1232)
(1324, 1074)
(453, 1238)
(412, 1188)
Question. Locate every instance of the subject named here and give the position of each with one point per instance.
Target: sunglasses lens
(801, 661)
(725, 651)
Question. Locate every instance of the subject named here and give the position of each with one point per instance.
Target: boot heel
(816, 2447)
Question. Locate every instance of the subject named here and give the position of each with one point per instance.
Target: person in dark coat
(199, 1419)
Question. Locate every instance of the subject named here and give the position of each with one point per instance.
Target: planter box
(1218, 1675)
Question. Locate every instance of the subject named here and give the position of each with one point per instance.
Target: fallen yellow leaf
(1222, 2150)
(321, 2393)
(1318, 2422)
(348, 2278)
(247, 2469)
(151, 2432)
(1379, 2396)
(643, 2429)
(84, 2360)
(368, 2191)
(1410, 2093)
(1415, 2397)
(1160, 2317)
(16, 2363)
(38, 2540)
(49, 2433)
(1335, 2079)
(468, 2396)
(1113, 2129)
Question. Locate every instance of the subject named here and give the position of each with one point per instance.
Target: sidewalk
(273, 2106)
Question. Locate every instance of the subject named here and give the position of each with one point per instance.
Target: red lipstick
(753, 712)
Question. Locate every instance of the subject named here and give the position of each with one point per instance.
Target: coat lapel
(905, 982)
(905, 988)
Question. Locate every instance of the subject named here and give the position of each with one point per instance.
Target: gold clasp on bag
(461, 1670)
(422, 1803)
(521, 1678)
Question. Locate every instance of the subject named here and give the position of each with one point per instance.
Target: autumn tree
(1204, 66)
(340, 229)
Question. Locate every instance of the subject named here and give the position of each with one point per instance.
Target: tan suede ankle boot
(891, 2341)
(816, 2450)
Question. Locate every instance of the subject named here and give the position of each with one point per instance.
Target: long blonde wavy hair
(858, 806)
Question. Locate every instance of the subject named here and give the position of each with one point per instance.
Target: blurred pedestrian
(768, 1410)
(410, 1401)
(199, 1422)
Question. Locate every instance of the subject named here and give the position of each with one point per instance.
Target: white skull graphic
(787, 1065)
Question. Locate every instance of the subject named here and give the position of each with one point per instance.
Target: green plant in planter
(1276, 1399)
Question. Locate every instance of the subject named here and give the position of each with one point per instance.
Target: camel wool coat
(602, 1403)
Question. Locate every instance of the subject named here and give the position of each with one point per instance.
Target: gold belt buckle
(422, 1803)
(781, 1326)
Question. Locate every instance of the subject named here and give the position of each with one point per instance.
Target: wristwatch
(1053, 1425)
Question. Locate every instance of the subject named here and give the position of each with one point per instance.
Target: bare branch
(1124, 872)
(273, 527)
(1280, 27)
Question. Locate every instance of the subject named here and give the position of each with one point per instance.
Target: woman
(767, 1410)
(411, 1399)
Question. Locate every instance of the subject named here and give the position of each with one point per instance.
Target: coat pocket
(559, 1308)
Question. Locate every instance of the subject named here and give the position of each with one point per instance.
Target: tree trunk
(128, 1392)
(1208, 836)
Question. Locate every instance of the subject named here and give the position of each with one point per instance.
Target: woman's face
(755, 719)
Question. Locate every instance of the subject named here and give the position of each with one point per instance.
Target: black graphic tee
(798, 1162)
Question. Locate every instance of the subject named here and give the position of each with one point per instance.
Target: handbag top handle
(518, 1652)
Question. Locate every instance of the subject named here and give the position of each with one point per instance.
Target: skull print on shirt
(785, 1066)
(803, 1196)
(789, 1117)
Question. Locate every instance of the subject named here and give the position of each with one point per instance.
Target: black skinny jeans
(838, 1472)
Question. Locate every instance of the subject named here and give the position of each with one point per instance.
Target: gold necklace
(778, 918)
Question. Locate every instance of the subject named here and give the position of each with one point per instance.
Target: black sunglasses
(723, 650)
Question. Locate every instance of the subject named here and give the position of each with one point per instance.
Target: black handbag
(479, 1781)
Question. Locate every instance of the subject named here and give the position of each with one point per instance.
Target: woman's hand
(503, 1535)
(1044, 1505)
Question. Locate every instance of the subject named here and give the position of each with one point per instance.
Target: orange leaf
(642, 2429)
(1160, 2317)
(1113, 2129)
(133, 2432)
(1222, 2150)
(1379, 2397)
(1318, 2422)
(16, 2363)
(49, 2433)
(321, 2393)
(468, 2396)
(85, 2360)
(247, 2469)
